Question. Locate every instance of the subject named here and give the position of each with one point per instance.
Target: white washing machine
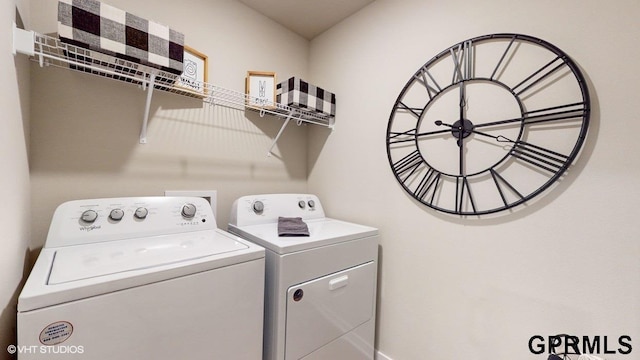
(142, 278)
(320, 291)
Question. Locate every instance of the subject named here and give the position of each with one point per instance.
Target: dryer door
(322, 310)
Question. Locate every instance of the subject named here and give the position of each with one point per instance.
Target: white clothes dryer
(142, 278)
(320, 291)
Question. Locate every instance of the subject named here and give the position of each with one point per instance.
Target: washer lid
(92, 260)
(64, 274)
(322, 232)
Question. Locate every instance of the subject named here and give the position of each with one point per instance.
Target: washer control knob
(258, 207)
(188, 211)
(89, 216)
(141, 213)
(116, 214)
(312, 204)
(302, 204)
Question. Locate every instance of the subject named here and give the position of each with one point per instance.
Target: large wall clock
(488, 124)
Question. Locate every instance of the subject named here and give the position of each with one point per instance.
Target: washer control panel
(262, 209)
(96, 220)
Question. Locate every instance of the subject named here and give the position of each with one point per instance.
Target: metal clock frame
(423, 181)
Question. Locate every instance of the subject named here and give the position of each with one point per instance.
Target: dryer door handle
(339, 282)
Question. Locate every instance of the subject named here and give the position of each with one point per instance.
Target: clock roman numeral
(504, 55)
(539, 156)
(412, 169)
(501, 183)
(417, 112)
(406, 166)
(539, 75)
(463, 192)
(463, 62)
(424, 77)
(396, 137)
(428, 184)
(575, 111)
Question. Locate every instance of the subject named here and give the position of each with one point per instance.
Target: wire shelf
(50, 51)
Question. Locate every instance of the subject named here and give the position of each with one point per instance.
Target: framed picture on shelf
(261, 89)
(195, 73)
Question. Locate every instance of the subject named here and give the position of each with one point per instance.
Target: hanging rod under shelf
(50, 51)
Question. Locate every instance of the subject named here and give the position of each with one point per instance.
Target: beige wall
(14, 173)
(85, 129)
(450, 288)
(453, 288)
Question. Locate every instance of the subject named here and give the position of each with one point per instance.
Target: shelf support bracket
(23, 41)
(145, 120)
(286, 122)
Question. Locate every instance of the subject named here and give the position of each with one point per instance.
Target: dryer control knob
(188, 211)
(258, 207)
(302, 204)
(116, 214)
(141, 213)
(89, 216)
(312, 204)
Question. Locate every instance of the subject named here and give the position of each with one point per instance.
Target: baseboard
(381, 356)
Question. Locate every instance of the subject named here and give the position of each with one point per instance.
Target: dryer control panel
(97, 220)
(263, 209)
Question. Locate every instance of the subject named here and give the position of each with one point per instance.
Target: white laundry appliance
(320, 291)
(142, 278)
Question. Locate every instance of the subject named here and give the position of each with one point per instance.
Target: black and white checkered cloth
(300, 94)
(104, 28)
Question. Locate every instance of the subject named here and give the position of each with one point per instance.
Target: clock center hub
(461, 126)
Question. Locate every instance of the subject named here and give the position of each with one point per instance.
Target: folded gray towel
(292, 226)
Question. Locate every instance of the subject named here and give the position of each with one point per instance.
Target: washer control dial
(312, 204)
(188, 211)
(141, 213)
(302, 204)
(89, 216)
(258, 207)
(116, 214)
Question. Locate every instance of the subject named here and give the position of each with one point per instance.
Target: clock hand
(461, 147)
(463, 101)
(461, 131)
(555, 113)
(460, 128)
(436, 132)
(498, 138)
(499, 122)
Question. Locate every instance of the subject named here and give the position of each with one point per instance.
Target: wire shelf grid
(50, 51)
